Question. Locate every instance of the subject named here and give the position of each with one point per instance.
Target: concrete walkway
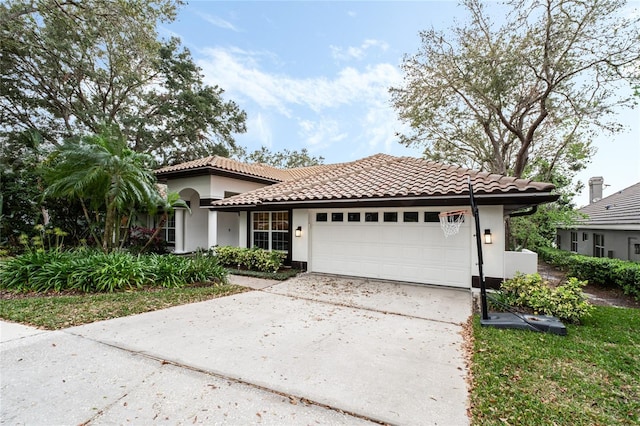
(313, 349)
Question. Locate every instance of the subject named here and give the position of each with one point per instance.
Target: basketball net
(450, 221)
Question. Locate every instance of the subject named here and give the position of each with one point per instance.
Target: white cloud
(321, 133)
(259, 127)
(218, 22)
(356, 52)
(239, 72)
(354, 101)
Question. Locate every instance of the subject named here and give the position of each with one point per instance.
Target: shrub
(95, 271)
(597, 270)
(169, 271)
(230, 256)
(139, 236)
(204, 266)
(255, 259)
(34, 270)
(566, 301)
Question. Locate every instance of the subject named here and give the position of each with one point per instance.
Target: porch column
(179, 243)
(213, 229)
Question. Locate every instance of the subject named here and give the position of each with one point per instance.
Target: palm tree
(168, 206)
(106, 176)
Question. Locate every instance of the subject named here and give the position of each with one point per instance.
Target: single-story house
(377, 217)
(611, 227)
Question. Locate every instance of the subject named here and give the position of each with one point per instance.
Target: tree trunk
(107, 242)
(165, 216)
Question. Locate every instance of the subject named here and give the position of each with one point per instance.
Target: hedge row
(94, 271)
(255, 259)
(597, 270)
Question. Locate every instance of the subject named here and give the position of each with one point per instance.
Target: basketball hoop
(450, 221)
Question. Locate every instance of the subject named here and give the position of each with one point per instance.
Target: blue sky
(316, 75)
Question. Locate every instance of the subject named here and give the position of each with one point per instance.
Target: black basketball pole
(483, 289)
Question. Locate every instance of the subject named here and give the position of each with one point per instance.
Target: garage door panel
(414, 252)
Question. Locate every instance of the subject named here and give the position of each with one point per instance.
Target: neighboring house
(376, 217)
(611, 227)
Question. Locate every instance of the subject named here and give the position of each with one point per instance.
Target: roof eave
(208, 171)
(520, 199)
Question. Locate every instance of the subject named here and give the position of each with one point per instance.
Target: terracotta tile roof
(385, 176)
(620, 208)
(260, 170)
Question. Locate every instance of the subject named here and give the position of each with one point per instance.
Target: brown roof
(385, 176)
(621, 208)
(229, 165)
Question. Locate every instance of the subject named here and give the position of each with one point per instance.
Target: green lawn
(590, 377)
(55, 312)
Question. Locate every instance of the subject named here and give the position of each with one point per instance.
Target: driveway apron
(312, 349)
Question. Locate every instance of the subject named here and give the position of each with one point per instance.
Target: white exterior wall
(195, 229)
(243, 231)
(492, 254)
(300, 245)
(200, 184)
(220, 184)
(525, 262)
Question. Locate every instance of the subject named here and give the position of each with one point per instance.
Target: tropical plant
(167, 205)
(108, 179)
(91, 270)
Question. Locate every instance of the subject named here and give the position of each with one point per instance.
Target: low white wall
(525, 262)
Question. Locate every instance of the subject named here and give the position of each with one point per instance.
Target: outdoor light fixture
(299, 231)
(487, 236)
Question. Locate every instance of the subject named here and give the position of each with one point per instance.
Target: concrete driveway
(311, 350)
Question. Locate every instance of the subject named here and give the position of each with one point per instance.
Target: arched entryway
(193, 228)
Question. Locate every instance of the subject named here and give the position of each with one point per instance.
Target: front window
(598, 245)
(170, 230)
(574, 242)
(271, 230)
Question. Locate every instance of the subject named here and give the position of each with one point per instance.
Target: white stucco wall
(200, 184)
(525, 262)
(242, 231)
(220, 184)
(492, 254)
(195, 223)
(300, 245)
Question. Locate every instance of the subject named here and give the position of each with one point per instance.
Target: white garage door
(393, 244)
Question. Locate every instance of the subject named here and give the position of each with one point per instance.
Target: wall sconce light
(299, 231)
(487, 236)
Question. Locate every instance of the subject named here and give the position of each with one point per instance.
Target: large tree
(70, 67)
(285, 159)
(523, 96)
